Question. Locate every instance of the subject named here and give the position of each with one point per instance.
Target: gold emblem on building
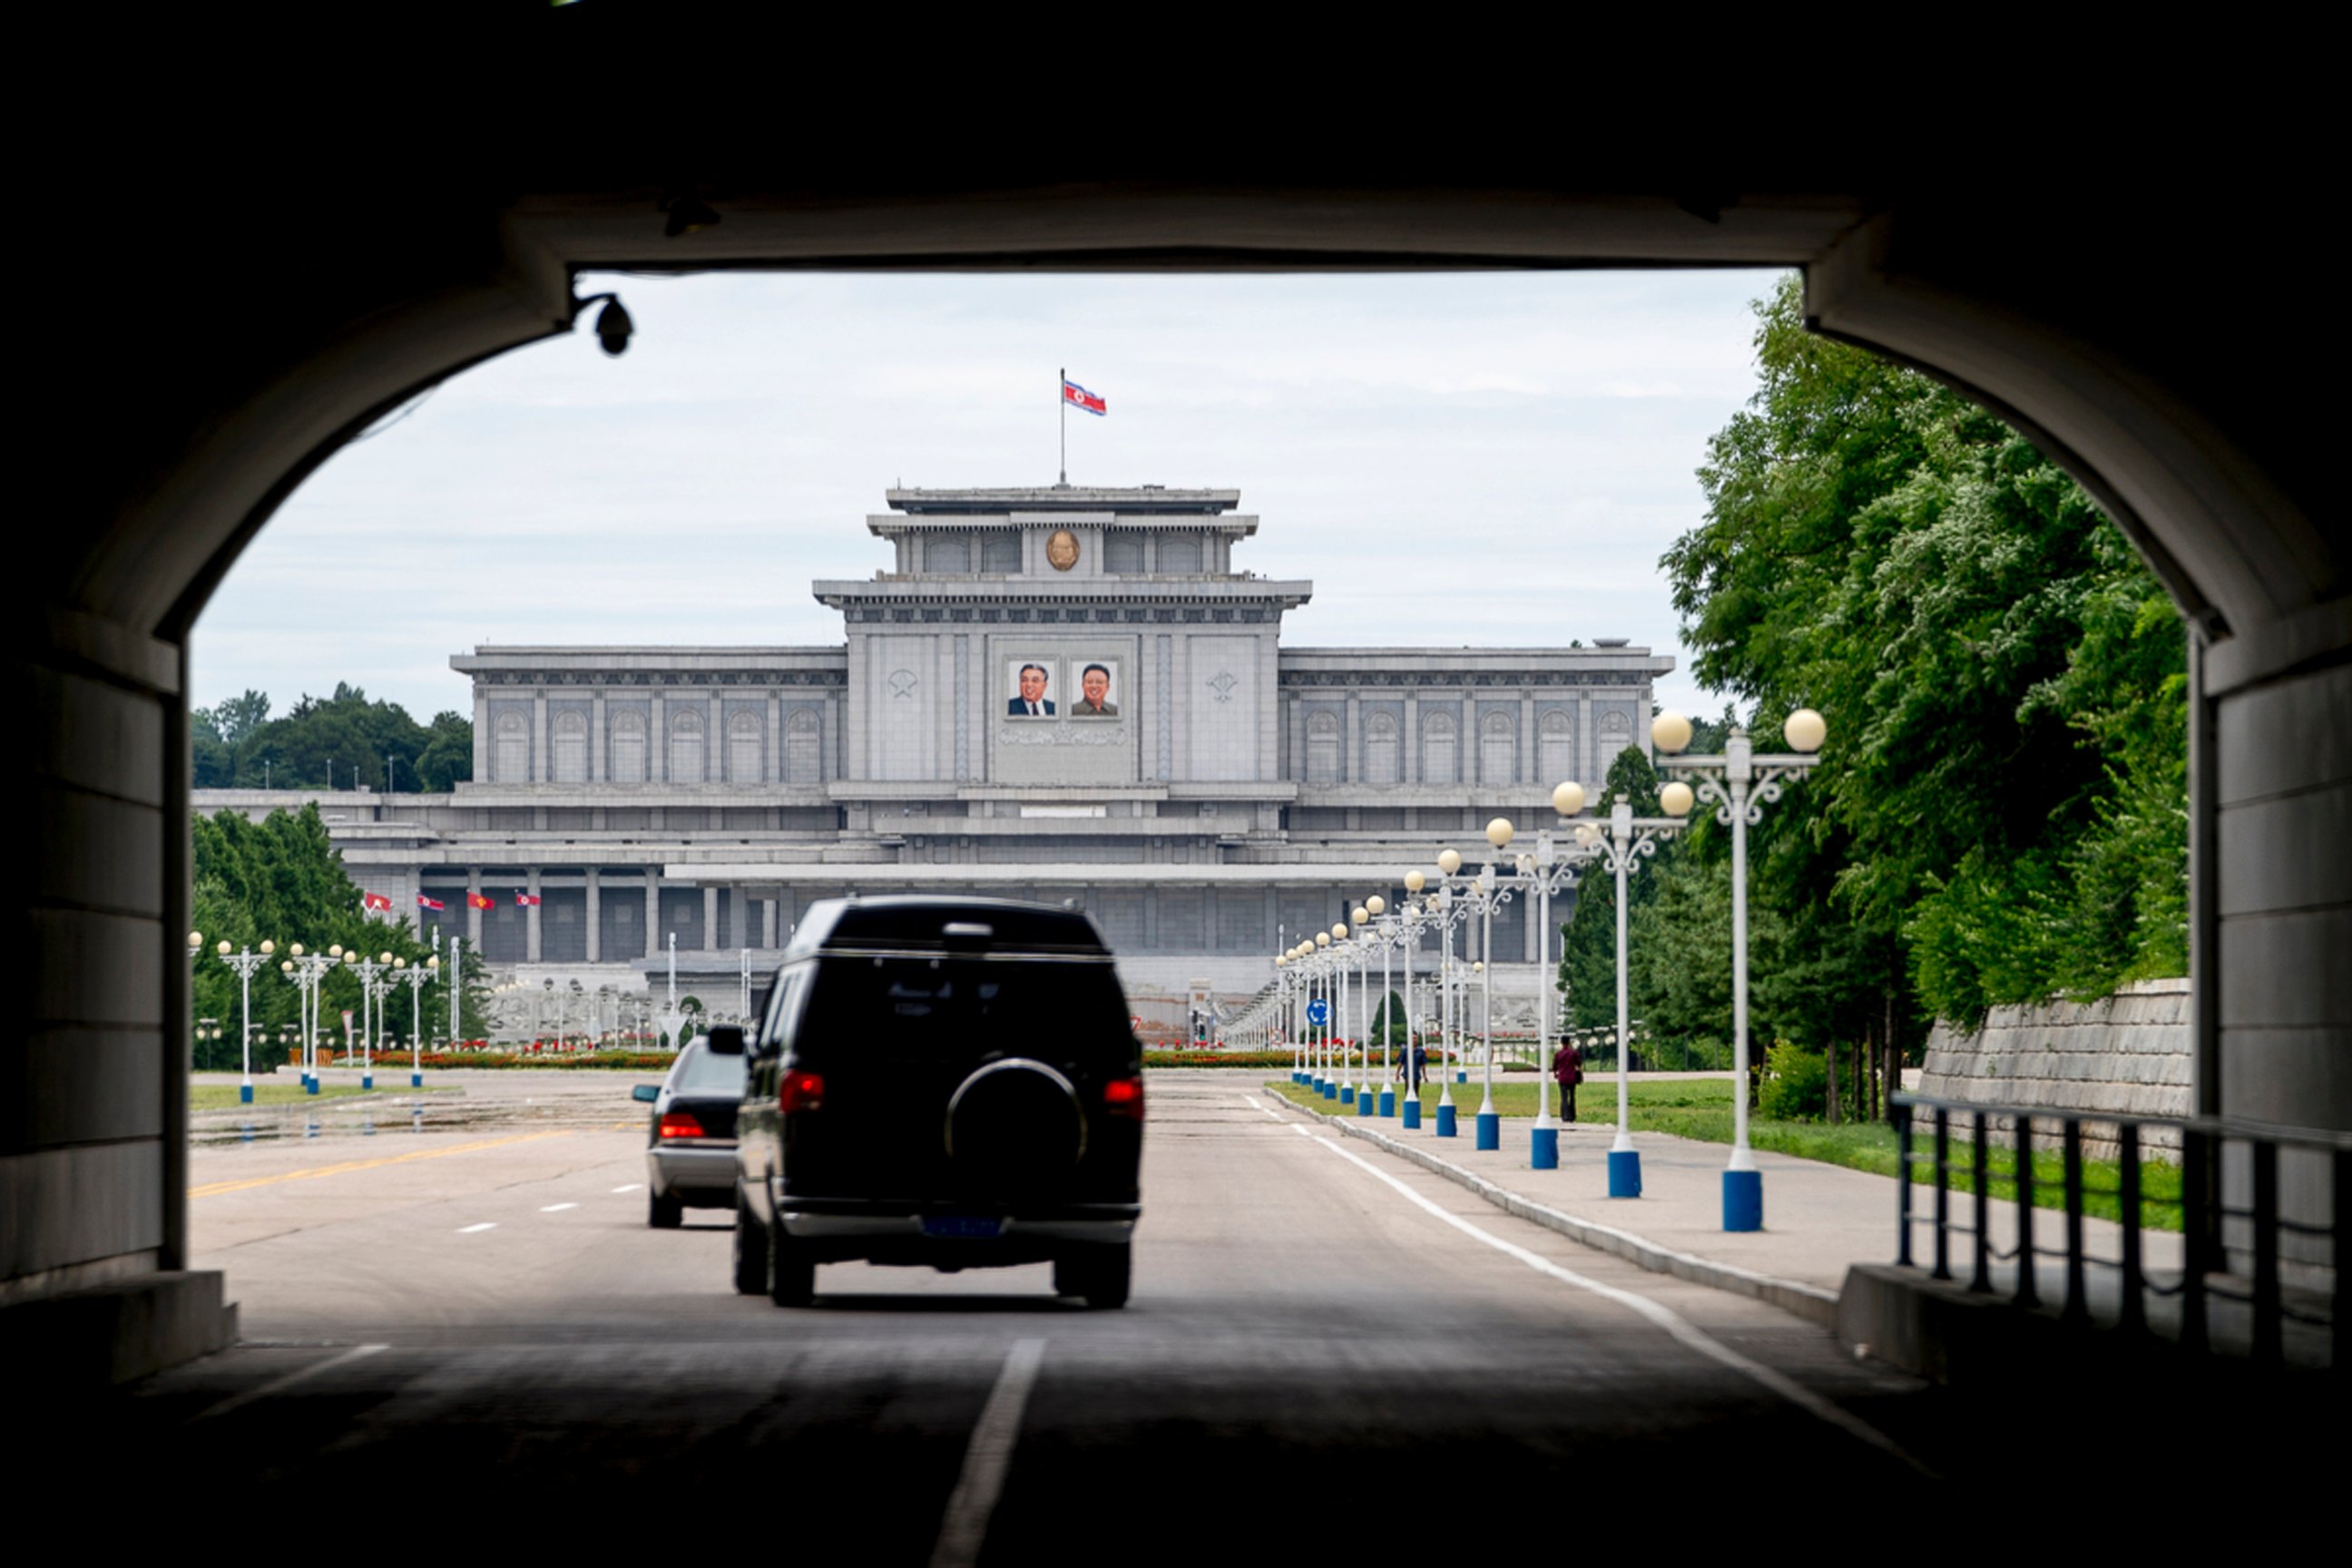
(1062, 550)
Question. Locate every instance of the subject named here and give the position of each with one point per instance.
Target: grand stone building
(1062, 693)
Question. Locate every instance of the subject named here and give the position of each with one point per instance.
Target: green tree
(2001, 802)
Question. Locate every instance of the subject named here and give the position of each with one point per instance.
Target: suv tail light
(1124, 1096)
(678, 1124)
(801, 1092)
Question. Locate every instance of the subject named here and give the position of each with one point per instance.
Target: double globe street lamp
(1740, 783)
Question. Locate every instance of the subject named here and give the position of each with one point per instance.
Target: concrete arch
(2193, 428)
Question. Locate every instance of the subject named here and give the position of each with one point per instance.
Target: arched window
(1555, 748)
(1383, 755)
(804, 748)
(569, 747)
(686, 748)
(744, 765)
(1440, 749)
(1499, 749)
(1616, 732)
(946, 552)
(512, 763)
(628, 747)
(1179, 553)
(1323, 749)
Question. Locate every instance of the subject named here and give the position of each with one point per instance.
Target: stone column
(1409, 745)
(1586, 753)
(473, 912)
(653, 913)
(710, 920)
(658, 741)
(481, 733)
(530, 917)
(739, 916)
(595, 910)
(768, 922)
(1351, 766)
(1526, 749)
(1641, 726)
(541, 771)
(774, 737)
(599, 768)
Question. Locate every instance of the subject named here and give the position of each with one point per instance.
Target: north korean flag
(1078, 396)
(424, 903)
(525, 900)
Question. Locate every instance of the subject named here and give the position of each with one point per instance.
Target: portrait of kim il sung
(1033, 695)
(1097, 693)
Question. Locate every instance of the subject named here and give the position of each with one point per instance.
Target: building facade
(1062, 693)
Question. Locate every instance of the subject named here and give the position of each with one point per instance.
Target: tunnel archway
(2188, 429)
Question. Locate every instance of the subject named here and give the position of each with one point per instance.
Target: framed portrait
(1096, 693)
(1033, 688)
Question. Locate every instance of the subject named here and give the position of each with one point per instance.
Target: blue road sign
(1318, 1012)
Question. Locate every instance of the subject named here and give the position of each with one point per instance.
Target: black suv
(950, 1082)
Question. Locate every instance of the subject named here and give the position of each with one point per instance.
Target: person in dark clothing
(1416, 1066)
(1569, 1072)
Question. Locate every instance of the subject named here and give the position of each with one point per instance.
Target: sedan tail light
(799, 1092)
(1124, 1096)
(678, 1124)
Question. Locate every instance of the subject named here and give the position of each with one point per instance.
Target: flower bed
(1202, 1058)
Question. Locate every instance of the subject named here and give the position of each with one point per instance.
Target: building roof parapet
(890, 525)
(1060, 500)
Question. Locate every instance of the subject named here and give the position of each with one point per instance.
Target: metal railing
(2215, 1233)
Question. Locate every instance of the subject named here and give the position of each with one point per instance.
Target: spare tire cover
(1016, 1126)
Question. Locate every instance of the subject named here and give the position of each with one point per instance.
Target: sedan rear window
(703, 1072)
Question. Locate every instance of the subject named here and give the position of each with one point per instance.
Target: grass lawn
(1701, 1109)
(222, 1096)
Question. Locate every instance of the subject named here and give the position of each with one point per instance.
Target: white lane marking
(632, 1188)
(472, 1230)
(1259, 1106)
(279, 1385)
(987, 1457)
(1664, 1317)
(558, 1208)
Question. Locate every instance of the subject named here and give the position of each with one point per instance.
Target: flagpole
(1061, 401)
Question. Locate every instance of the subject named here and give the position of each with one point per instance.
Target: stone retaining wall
(2126, 1054)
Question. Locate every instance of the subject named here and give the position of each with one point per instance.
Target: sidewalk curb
(1810, 1302)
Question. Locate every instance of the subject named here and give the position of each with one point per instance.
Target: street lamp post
(373, 989)
(1740, 783)
(1368, 1101)
(1627, 842)
(1547, 872)
(1441, 903)
(1385, 935)
(244, 961)
(417, 974)
(1487, 894)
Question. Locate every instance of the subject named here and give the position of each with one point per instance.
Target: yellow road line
(213, 1189)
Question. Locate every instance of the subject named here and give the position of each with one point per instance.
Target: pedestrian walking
(1569, 1072)
(1416, 1058)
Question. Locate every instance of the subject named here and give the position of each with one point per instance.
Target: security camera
(614, 327)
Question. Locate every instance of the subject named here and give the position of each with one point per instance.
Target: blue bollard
(1462, 1075)
(1743, 1200)
(1388, 1100)
(1411, 1112)
(1543, 1154)
(1364, 1103)
(1346, 1094)
(309, 1085)
(1490, 1130)
(367, 1081)
(1330, 1088)
(1624, 1173)
(1445, 1122)
(416, 1080)
(245, 1094)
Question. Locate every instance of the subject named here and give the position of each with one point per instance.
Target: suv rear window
(930, 1007)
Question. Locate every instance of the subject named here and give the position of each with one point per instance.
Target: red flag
(374, 901)
(525, 900)
(1078, 396)
(481, 901)
(424, 903)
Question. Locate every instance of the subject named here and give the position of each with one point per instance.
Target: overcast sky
(1478, 459)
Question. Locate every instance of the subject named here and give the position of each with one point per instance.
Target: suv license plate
(963, 1227)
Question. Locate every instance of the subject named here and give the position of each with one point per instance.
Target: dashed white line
(558, 1208)
(1679, 1327)
(987, 1458)
(471, 1229)
(632, 1188)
